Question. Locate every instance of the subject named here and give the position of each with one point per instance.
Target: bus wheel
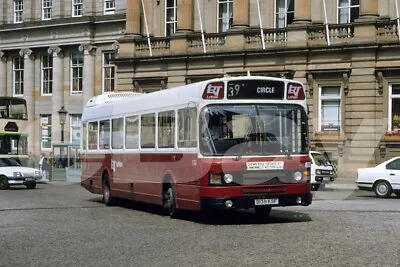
(262, 213)
(4, 183)
(107, 198)
(170, 201)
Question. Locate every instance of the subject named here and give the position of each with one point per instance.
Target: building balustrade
(339, 34)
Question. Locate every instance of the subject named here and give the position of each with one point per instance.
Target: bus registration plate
(266, 201)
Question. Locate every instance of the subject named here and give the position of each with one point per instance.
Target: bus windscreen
(263, 129)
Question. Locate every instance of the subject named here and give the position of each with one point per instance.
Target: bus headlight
(228, 178)
(297, 176)
(215, 178)
(318, 172)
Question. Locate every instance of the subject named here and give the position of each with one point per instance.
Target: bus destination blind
(255, 89)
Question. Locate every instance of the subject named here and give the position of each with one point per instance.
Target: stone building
(58, 53)
(351, 73)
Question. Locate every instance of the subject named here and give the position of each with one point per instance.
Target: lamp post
(62, 114)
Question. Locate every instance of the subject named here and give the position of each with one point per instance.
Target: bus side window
(92, 135)
(131, 132)
(187, 127)
(104, 134)
(84, 136)
(148, 131)
(117, 133)
(166, 129)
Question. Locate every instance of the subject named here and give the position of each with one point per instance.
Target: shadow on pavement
(278, 215)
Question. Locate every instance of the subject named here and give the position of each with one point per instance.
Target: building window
(348, 11)
(18, 76)
(45, 131)
(18, 11)
(47, 9)
(75, 128)
(394, 107)
(225, 15)
(284, 13)
(166, 129)
(76, 73)
(109, 7)
(108, 72)
(47, 75)
(77, 8)
(329, 109)
(170, 17)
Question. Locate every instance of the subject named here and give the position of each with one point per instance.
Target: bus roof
(128, 102)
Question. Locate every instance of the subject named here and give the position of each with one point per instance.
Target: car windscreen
(8, 162)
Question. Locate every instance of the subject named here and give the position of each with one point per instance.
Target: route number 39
(233, 90)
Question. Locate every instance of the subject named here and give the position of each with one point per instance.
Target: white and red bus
(232, 143)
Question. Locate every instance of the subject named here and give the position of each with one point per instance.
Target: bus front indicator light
(215, 178)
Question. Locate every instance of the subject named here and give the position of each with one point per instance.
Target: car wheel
(4, 183)
(262, 213)
(170, 201)
(31, 185)
(107, 198)
(383, 189)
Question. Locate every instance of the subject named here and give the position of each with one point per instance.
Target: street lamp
(62, 114)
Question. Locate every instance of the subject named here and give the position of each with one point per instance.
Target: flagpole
(147, 29)
(326, 25)
(261, 27)
(201, 27)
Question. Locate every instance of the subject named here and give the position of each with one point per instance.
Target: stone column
(369, 9)
(3, 74)
(185, 16)
(57, 98)
(302, 11)
(29, 94)
(89, 52)
(240, 14)
(133, 10)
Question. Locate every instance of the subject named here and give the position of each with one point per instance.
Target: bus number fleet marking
(116, 164)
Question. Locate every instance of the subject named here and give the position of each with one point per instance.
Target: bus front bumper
(247, 202)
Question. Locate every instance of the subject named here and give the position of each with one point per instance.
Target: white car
(322, 170)
(384, 179)
(12, 173)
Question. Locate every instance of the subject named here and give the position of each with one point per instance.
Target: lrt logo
(214, 91)
(295, 91)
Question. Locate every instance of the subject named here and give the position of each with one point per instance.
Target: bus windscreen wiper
(244, 144)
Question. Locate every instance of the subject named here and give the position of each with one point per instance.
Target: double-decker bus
(13, 127)
(231, 143)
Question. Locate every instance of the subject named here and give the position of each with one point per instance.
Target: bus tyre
(382, 189)
(107, 198)
(170, 201)
(4, 183)
(262, 213)
(31, 185)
